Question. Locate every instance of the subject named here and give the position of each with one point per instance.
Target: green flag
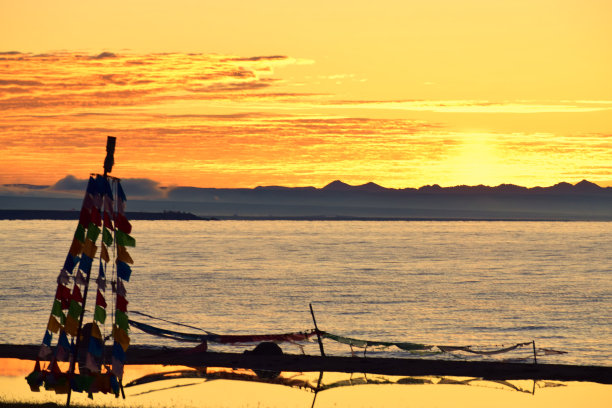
(75, 309)
(107, 237)
(80, 233)
(124, 239)
(100, 314)
(93, 231)
(121, 320)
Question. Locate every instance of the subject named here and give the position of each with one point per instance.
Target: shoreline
(186, 356)
(69, 215)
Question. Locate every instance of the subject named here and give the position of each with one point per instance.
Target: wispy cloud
(79, 82)
(476, 106)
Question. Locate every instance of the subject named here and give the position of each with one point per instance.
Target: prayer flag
(121, 320)
(90, 363)
(62, 292)
(124, 239)
(74, 310)
(92, 187)
(88, 201)
(121, 289)
(100, 314)
(118, 352)
(63, 278)
(84, 217)
(122, 303)
(104, 254)
(121, 337)
(79, 278)
(63, 347)
(47, 339)
(95, 331)
(76, 294)
(80, 233)
(90, 248)
(76, 248)
(117, 369)
(120, 206)
(123, 271)
(71, 326)
(96, 217)
(123, 224)
(93, 231)
(44, 352)
(107, 237)
(63, 341)
(95, 347)
(85, 264)
(108, 204)
(70, 263)
(100, 301)
(57, 311)
(106, 189)
(123, 255)
(108, 223)
(120, 192)
(53, 326)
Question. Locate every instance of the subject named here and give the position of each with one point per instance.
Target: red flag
(108, 223)
(62, 293)
(76, 294)
(85, 217)
(122, 303)
(96, 218)
(123, 224)
(100, 300)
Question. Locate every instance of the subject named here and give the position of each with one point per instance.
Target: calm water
(454, 283)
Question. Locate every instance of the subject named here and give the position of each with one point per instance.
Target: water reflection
(160, 386)
(323, 381)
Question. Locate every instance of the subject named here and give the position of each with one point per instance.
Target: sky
(242, 94)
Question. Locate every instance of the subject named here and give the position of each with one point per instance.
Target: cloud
(103, 55)
(261, 58)
(70, 183)
(134, 187)
(142, 188)
(76, 82)
(19, 82)
(475, 106)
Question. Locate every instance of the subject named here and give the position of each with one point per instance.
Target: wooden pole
(317, 331)
(535, 359)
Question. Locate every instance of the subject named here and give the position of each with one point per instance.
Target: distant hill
(337, 200)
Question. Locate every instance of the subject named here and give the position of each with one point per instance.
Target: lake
(452, 283)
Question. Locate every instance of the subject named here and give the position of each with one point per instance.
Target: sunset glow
(403, 94)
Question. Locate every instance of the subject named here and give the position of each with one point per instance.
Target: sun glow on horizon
(419, 93)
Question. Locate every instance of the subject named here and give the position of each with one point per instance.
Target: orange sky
(402, 93)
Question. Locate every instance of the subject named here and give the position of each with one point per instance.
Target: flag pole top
(110, 154)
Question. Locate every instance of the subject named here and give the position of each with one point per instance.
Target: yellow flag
(72, 326)
(90, 248)
(53, 325)
(123, 255)
(76, 248)
(95, 331)
(104, 254)
(121, 337)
